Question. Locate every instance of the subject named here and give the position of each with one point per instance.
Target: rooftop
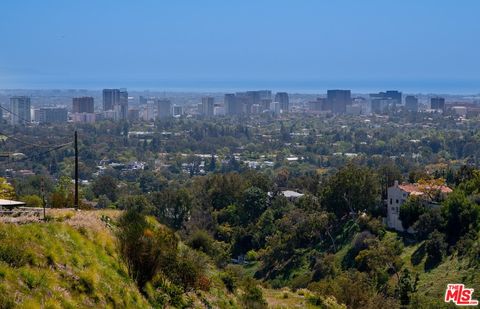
(419, 189)
(10, 203)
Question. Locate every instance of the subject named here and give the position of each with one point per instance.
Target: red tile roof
(418, 189)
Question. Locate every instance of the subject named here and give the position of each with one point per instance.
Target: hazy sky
(100, 42)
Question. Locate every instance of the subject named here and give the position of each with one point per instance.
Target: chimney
(395, 184)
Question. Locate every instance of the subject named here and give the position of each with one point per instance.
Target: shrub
(411, 210)
(229, 282)
(32, 200)
(189, 270)
(324, 267)
(252, 296)
(202, 241)
(251, 256)
(146, 249)
(160, 292)
(300, 281)
(350, 288)
(427, 223)
(232, 276)
(435, 247)
(373, 225)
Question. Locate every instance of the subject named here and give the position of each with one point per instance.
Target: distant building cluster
(117, 105)
(83, 110)
(255, 102)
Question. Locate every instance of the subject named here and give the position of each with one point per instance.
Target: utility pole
(42, 188)
(76, 172)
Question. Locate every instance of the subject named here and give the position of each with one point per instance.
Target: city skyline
(366, 47)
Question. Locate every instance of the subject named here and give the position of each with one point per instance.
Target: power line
(20, 118)
(37, 154)
(23, 142)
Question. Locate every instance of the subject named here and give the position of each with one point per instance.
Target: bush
(252, 296)
(232, 276)
(461, 216)
(428, 222)
(161, 292)
(189, 270)
(353, 289)
(32, 200)
(360, 243)
(146, 248)
(435, 248)
(324, 267)
(373, 225)
(251, 256)
(411, 210)
(202, 241)
(301, 281)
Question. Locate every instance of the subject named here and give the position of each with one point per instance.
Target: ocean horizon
(454, 87)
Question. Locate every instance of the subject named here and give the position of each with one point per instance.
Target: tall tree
(353, 188)
(6, 190)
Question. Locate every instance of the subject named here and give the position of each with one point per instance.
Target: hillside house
(398, 194)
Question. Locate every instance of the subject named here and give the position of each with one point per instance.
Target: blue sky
(107, 43)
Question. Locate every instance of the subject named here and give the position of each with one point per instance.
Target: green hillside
(433, 282)
(73, 262)
(63, 265)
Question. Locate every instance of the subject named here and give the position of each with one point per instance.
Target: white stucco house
(398, 194)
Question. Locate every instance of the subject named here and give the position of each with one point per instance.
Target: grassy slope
(453, 269)
(75, 264)
(54, 265)
(72, 262)
(285, 299)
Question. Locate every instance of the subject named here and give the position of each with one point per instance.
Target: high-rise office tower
(177, 110)
(52, 115)
(83, 105)
(265, 104)
(319, 105)
(208, 104)
(411, 103)
(263, 98)
(275, 108)
(148, 111)
(338, 100)
(244, 102)
(116, 100)
(282, 98)
(437, 103)
(395, 96)
(20, 107)
(230, 102)
(264, 94)
(111, 98)
(164, 108)
(123, 104)
(142, 100)
(382, 101)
